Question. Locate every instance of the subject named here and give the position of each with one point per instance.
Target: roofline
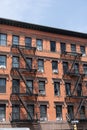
(26, 25)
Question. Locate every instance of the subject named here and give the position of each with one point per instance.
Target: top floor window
(82, 49)
(63, 47)
(52, 46)
(73, 47)
(39, 45)
(3, 39)
(55, 66)
(15, 40)
(27, 42)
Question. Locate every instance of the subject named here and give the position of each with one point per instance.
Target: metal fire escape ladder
(23, 78)
(24, 104)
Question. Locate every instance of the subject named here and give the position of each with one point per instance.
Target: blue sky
(64, 14)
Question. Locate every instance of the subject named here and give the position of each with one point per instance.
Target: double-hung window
(52, 46)
(29, 61)
(85, 68)
(63, 47)
(43, 112)
(2, 85)
(68, 89)
(27, 42)
(76, 68)
(15, 40)
(55, 66)
(15, 85)
(15, 62)
(82, 49)
(58, 112)
(42, 87)
(15, 112)
(31, 111)
(70, 110)
(30, 86)
(57, 88)
(73, 48)
(2, 61)
(3, 39)
(82, 112)
(40, 65)
(65, 67)
(2, 112)
(39, 45)
(79, 90)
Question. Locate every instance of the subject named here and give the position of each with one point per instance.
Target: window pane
(63, 47)
(2, 61)
(82, 49)
(15, 112)
(42, 87)
(70, 111)
(85, 68)
(73, 47)
(3, 39)
(28, 42)
(79, 90)
(68, 89)
(15, 85)
(29, 61)
(57, 88)
(30, 85)
(39, 44)
(43, 111)
(15, 40)
(2, 85)
(58, 111)
(76, 68)
(52, 46)
(55, 66)
(65, 67)
(15, 62)
(31, 111)
(2, 112)
(40, 65)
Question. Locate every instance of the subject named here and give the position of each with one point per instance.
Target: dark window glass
(55, 66)
(70, 111)
(15, 40)
(2, 85)
(59, 112)
(2, 112)
(3, 39)
(42, 87)
(82, 49)
(2, 61)
(63, 47)
(43, 111)
(52, 46)
(85, 68)
(27, 42)
(15, 112)
(57, 88)
(73, 47)
(40, 65)
(76, 68)
(31, 111)
(82, 112)
(15, 62)
(65, 67)
(30, 85)
(79, 90)
(29, 61)
(39, 44)
(15, 85)
(68, 89)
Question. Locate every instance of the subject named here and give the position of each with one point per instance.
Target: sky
(63, 14)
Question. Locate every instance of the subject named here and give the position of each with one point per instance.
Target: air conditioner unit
(84, 54)
(40, 70)
(39, 48)
(2, 66)
(43, 119)
(42, 93)
(59, 118)
(55, 71)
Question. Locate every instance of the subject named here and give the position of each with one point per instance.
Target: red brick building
(43, 77)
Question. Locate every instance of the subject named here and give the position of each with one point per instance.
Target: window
(82, 112)
(82, 49)
(68, 89)
(85, 68)
(15, 112)
(65, 67)
(63, 47)
(52, 46)
(40, 65)
(30, 86)
(2, 85)
(2, 112)
(70, 111)
(43, 112)
(15, 85)
(15, 62)
(39, 44)
(73, 47)
(59, 112)
(76, 68)
(31, 111)
(15, 40)
(79, 90)
(42, 87)
(55, 66)
(27, 42)
(2, 61)
(29, 61)
(57, 88)
(3, 39)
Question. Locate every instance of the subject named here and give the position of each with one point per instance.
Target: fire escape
(24, 72)
(76, 77)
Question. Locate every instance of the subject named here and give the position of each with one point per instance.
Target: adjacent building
(43, 77)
